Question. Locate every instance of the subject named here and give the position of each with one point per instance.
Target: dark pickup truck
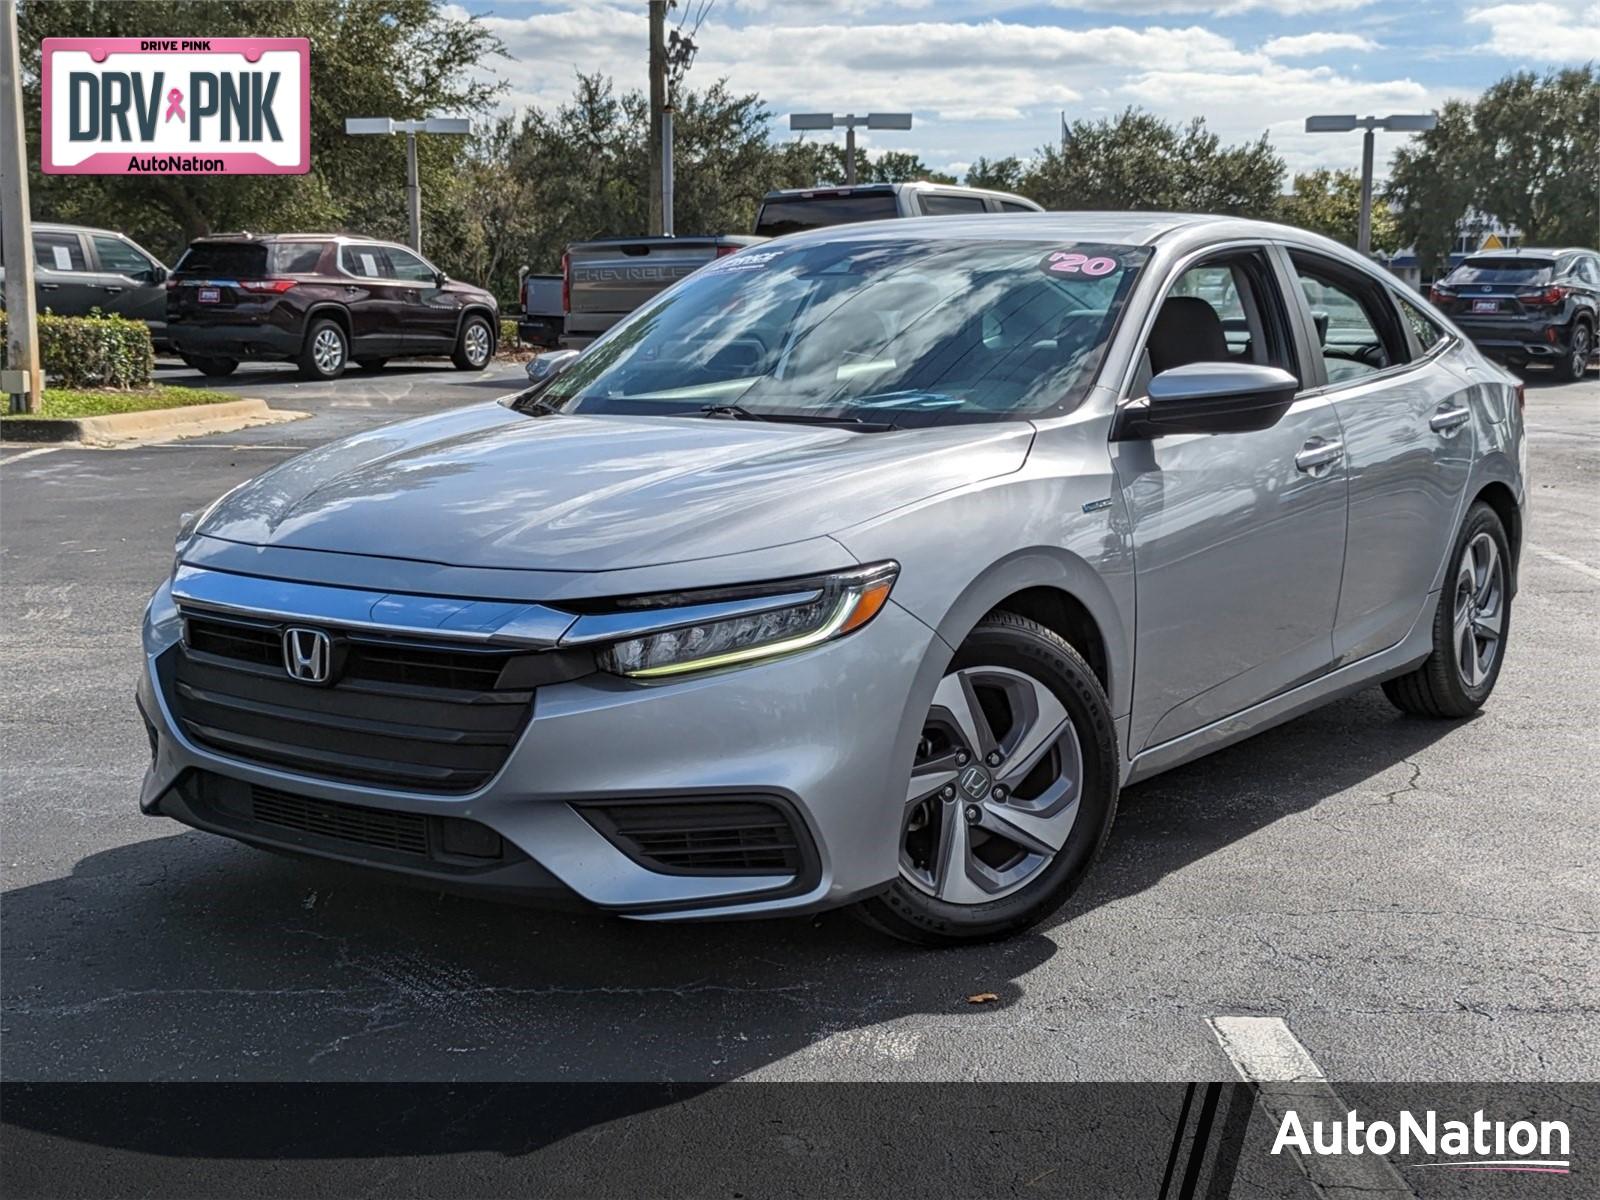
(606, 280)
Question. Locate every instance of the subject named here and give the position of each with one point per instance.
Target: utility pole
(658, 104)
(805, 121)
(1398, 123)
(22, 379)
(413, 193)
(1364, 229)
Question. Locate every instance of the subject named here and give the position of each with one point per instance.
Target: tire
(372, 364)
(1025, 680)
(474, 345)
(1574, 364)
(1472, 602)
(214, 367)
(326, 351)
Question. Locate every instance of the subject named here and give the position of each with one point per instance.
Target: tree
(1136, 160)
(1525, 152)
(399, 58)
(1329, 203)
(1000, 174)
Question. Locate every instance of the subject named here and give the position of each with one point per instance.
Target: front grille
(401, 712)
(710, 837)
(403, 832)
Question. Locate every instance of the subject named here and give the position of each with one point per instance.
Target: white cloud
(1552, 32)
(1219, 8)
(977, 87)
(1310, 45)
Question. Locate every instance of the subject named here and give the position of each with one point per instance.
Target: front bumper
(824, 736)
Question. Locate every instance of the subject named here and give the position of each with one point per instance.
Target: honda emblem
(307, 654)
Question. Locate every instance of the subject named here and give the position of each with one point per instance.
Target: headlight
(699, 631)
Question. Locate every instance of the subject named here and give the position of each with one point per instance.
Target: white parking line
(1561, 560)
(1265, 1052)
(29, 454)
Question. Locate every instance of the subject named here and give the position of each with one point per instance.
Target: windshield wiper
(732, 412)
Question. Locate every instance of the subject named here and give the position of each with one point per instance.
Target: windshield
(1502, 270)
(876, 332)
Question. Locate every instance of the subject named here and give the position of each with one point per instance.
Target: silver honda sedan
(861, 567)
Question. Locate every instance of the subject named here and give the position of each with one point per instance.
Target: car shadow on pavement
(186, 956)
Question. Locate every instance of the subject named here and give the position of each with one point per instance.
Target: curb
(119, 429)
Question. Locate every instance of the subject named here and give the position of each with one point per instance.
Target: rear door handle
(1448, 420)
(1317, 454)
(48, 287)
(115, 291)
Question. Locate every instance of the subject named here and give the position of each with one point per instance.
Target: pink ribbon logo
(175, 105)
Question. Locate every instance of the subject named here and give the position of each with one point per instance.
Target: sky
(990, 77)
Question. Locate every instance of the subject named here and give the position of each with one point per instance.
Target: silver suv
(861, 567)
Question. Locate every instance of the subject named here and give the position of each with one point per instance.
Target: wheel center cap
(975, 782)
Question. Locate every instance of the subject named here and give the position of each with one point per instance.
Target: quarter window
(1427, 330)
(58, 252)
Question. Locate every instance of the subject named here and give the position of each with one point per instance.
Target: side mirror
(1220, 397)
(159, 274)
(440, 279)
(550, 364)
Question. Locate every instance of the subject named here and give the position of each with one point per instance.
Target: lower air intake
(703, 837)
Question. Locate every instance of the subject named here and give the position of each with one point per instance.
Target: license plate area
(1485, 306)
(214, 296)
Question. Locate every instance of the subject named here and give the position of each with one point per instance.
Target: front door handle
(1318, 454)
(48, 287)
(110, 290)
(1447, 419)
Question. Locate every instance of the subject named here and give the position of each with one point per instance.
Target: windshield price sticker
(746, 261)
(1070, 262)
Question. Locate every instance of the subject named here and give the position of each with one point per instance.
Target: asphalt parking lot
(1417, 900)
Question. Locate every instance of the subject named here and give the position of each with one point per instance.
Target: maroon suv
(322, 301)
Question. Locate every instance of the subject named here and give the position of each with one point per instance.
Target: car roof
(904, 185)
(1538, 252)
(1119, 228)
(263, 238)
(63, 227)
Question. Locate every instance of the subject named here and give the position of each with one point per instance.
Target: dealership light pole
(849, 121)
(387, 126)
(21, 375)
(1398, 123)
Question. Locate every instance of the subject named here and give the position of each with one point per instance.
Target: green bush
(510, 339)
(99, 350)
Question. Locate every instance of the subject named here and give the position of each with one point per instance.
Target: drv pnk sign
(176, 106)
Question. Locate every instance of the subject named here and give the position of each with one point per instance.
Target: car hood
(489, 487)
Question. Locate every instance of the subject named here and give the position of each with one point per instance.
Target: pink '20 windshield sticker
(1072, 263)
(176, 106)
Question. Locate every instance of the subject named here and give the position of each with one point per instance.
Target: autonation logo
(1476, 1145)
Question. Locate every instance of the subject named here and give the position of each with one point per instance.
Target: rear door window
(58, 252)
(791, 214)
(366, 262)
(296, 258)
(942, 204)
(1355, 325)
(224, 260)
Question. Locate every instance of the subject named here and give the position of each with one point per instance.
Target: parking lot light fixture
(1395, 123)
(805, 121)
(386, 126)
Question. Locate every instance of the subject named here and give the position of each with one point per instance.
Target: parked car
(1528, 306)
(792, 210)
(543, 314)
(606, 280)
(864, 567)
(321, 301)
(77, 269)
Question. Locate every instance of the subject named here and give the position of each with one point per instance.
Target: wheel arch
(1499, 496)
(331, 311)
(1066, 595)
(489, 315)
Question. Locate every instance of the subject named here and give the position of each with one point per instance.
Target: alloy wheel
(1480, 597)
(475, 341)
(1580, 351)
(995, 787)
(327, 350)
